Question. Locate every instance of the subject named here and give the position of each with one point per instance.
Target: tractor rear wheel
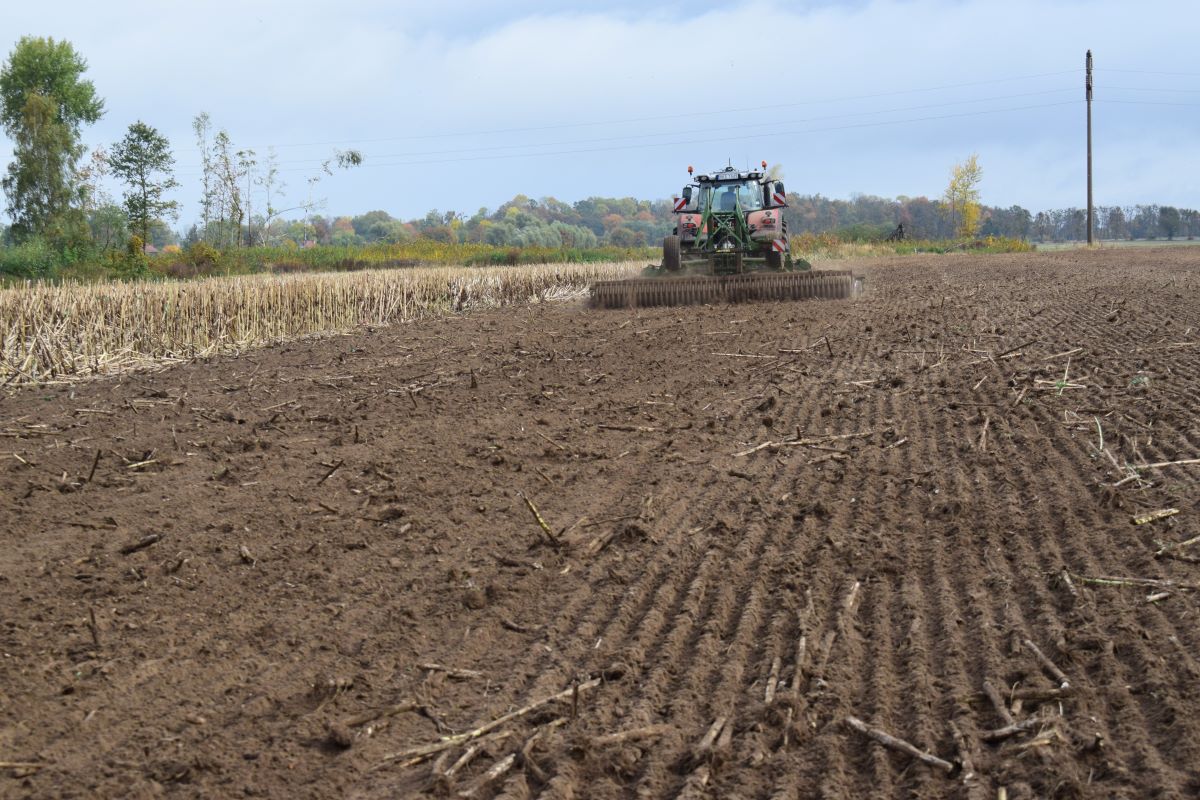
(671, 256)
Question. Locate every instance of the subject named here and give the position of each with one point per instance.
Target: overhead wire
(1146, 89)
(636, 141)
(708, 140)
(757, 126)
(1147, 103)
(1149, 72)
(682, 115)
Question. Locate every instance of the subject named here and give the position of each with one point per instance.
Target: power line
(710, 140)
(733, 127)
(573, 142)
(1150, 103)
(1151, 72)
(1148, 89)
(686, 115)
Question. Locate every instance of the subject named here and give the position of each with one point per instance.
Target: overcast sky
(464, 104)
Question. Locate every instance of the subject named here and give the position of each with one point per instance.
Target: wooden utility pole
(1091, 214)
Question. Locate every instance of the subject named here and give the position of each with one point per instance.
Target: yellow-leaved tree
(962, 197)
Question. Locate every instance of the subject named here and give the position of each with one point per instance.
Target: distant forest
(628, 222)
(926, 219)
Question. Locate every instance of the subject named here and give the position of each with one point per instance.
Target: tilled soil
(347, 566)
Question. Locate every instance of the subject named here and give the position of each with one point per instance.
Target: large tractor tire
(671, 256)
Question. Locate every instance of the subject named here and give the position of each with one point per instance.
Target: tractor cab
(729, 190)
(733, 200)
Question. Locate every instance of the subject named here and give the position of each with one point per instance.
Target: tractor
(729, 244)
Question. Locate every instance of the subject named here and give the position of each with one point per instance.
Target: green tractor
(729, 245)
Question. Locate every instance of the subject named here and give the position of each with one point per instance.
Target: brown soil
(333, 514)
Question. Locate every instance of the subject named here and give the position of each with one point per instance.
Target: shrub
(203, 256)
(33, 258)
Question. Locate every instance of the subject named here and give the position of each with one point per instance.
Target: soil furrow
(276, 553)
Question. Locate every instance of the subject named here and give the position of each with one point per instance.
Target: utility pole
(1091, 220)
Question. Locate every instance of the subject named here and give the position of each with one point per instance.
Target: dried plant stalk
(61, 332)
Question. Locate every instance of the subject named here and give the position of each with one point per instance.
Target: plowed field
(293, 573)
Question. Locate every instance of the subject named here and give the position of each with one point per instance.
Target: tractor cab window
(751, 195)
(729, 196)
(726, 199)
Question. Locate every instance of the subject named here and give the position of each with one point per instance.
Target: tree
(39, 184)
(1168, 220)
(43, 103)
(246, 162)
(109, 226)
(223, 206)
(50, 69)
(90, 177)
(342, 159)
(624, 237)
(1114, 223)
(1143, 221)
(144, 162)
(273, 188)
(161, 234)
(1191, 221)
(962, 196)
(202, 127)
(228, 168)
(374, 226)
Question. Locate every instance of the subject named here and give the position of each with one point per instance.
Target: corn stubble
(65, 332)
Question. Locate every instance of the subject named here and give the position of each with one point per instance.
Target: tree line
(629, 222)
(61, 212)
(520, 222)
(868, 216)
(59, 209)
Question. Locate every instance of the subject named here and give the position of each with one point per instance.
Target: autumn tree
(962, 197)
(143, 161)
(44, 101)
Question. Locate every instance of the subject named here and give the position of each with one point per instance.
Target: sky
(458, 106)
